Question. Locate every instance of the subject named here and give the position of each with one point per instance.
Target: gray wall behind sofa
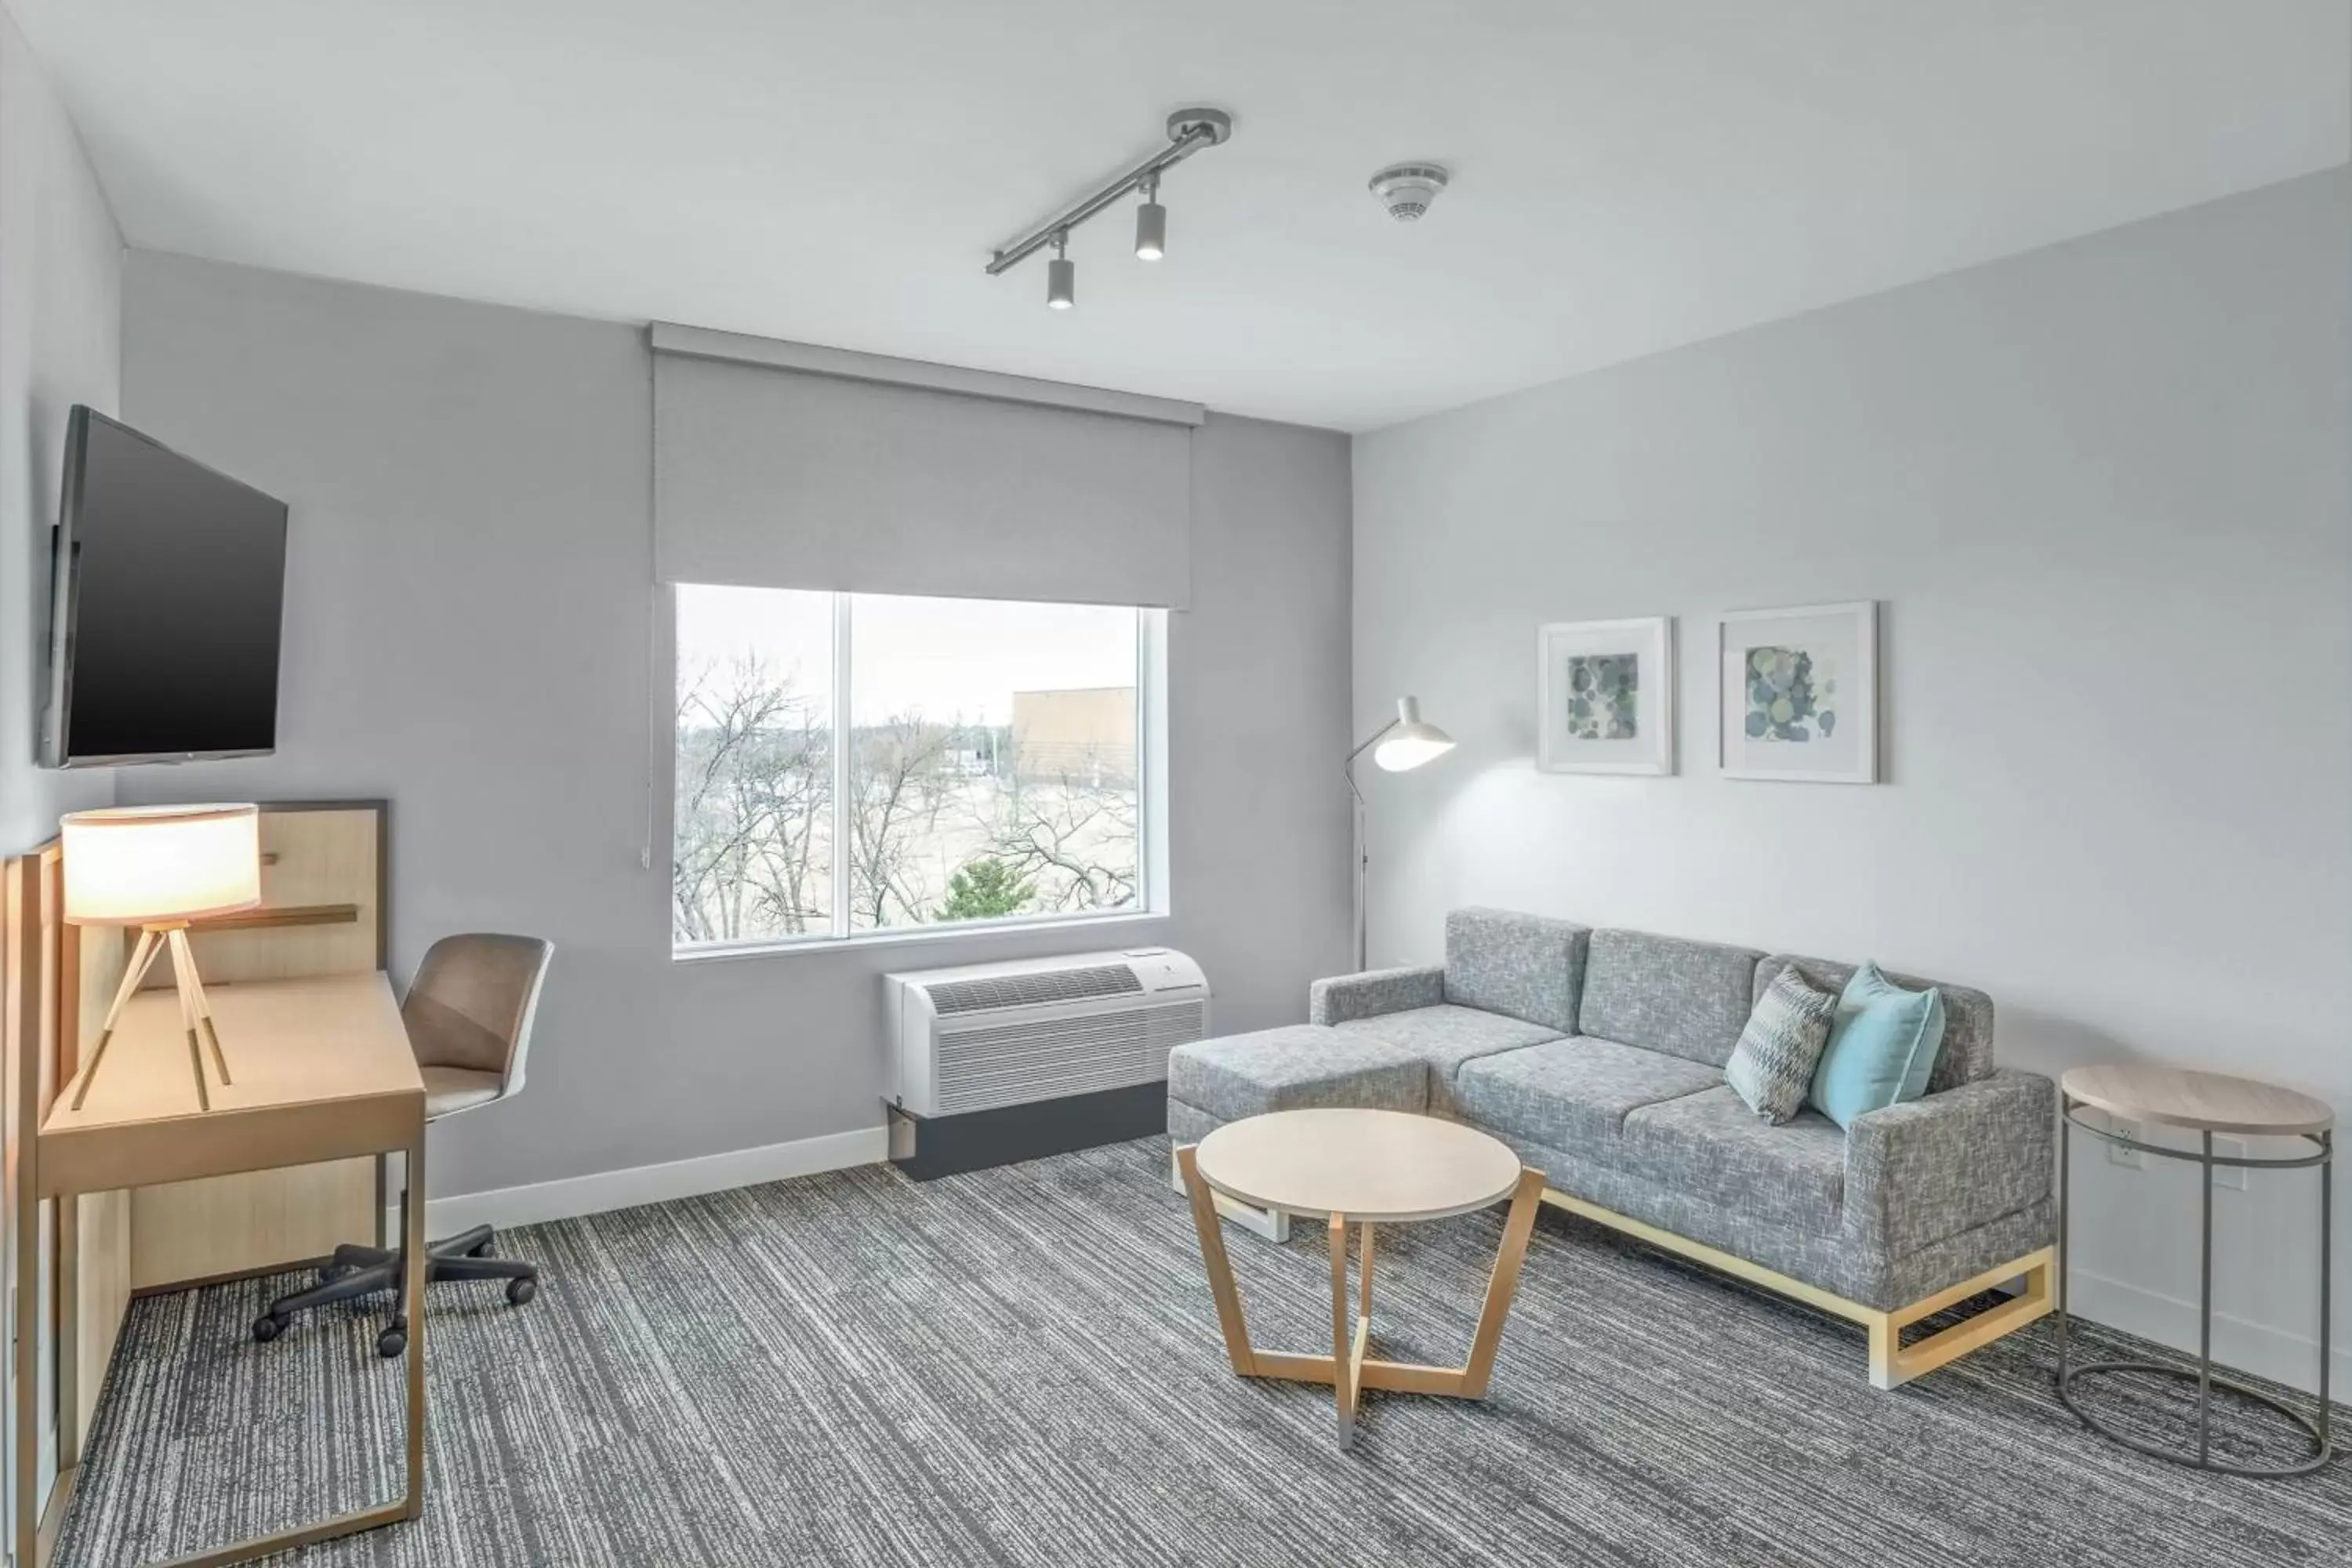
(469, 627)
(2101, 490)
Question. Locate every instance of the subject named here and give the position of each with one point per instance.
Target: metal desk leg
(416, 1245)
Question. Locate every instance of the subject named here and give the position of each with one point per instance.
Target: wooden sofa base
(1891, 1363)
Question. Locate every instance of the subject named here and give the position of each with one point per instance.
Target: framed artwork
(1799, 693)
(1605, 696)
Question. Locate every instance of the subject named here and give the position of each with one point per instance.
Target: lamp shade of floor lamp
(1402, 744)
(158, 867)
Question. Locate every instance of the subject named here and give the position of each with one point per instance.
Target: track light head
(1151, 224)
(1061, 276)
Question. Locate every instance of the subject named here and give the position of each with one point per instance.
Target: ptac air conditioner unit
(998, 1062)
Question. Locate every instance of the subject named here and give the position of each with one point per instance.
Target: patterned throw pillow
(1773, 1066)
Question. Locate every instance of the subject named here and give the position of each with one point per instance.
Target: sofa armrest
(1931, 1168)
(1374, 992)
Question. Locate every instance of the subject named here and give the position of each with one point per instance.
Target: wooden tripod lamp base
(195, 1012)
(160, 867)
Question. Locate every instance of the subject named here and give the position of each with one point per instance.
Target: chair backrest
(471, 1003)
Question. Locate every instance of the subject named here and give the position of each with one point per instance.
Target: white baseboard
(2239, 1343)
(573, 1196)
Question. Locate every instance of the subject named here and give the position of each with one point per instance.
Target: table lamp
(158, 867)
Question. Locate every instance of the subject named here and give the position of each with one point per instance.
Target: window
(991, 766)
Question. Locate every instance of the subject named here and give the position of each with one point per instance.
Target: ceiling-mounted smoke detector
(1407, 189)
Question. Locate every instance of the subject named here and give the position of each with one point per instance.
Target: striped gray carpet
(1022, 1367)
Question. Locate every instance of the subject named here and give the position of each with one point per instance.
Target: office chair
(468, 1018)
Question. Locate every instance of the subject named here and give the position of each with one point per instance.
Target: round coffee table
(1359, 1167)
(2204, 1103)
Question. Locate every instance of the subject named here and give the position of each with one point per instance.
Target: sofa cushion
(1691, 998)
(1573, 1094)
(1446, 1038)
(1298, 1065)
(1772, 1069)
(1525, 966)
(1883, 1047)
(1712, 1147)
(1968, 1015)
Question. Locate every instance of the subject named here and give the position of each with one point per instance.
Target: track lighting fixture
(1150, 224)
(1061, 276)
(1189, 131)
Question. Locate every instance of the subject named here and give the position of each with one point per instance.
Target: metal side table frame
(2316, 1430)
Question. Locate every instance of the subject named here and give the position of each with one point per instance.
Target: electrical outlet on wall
(2116, 1153)
(2229, 1178)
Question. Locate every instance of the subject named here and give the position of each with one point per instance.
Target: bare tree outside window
(991, 768)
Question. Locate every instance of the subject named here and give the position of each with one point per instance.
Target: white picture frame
(1605, 696)
(1812, 716)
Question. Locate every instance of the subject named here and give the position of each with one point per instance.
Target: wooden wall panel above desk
(315, 857)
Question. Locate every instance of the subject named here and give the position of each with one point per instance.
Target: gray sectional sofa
(1597, 1055)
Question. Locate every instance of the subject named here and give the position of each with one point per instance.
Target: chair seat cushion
(1576, 1093)
(1711, 1147)
(459, 1088)
(1297, 1066)
(1448, 1036)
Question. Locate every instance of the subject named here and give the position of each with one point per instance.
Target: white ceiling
(1630, 174)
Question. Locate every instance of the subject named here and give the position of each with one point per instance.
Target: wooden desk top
(1366, 1164)
(2200, 1102)
(321, 1064)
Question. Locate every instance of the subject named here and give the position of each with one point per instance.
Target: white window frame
(1151, 859)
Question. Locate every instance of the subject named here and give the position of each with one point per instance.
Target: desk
(323, 1071)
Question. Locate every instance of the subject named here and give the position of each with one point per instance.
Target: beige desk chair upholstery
(468, 1015)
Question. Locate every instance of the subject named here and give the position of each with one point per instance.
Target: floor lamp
(158, 867)
(1402, 744)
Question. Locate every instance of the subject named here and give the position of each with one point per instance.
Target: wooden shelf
(285, 915)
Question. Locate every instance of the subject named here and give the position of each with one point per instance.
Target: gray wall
(470, 627)
(2101, 490)
(60, 343)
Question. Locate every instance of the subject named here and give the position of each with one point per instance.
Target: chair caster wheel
(480, 1249)
(390, 1343)
(266, 1328)
(521, 1290)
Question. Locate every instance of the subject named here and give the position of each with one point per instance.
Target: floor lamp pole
(1363, 847)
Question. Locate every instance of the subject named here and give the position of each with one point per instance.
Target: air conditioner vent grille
(1011, 1064)
(996, 991)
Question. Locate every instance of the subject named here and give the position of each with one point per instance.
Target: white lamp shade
(1412, 742)
(146, 864)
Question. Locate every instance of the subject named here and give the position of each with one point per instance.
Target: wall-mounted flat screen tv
(169, 582)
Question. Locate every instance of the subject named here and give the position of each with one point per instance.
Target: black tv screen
(170, 580)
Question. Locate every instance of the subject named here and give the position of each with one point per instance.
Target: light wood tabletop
(2200, 1102)
(318, 1068)
(1375, 1165)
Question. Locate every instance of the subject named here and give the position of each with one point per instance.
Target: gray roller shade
(774, 477)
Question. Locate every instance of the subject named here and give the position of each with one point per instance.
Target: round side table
(1359, 1167)
(2206, 1104)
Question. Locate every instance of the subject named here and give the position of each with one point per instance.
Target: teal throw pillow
(1882, 1049)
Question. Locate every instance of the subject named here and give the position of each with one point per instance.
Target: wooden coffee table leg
(1347, 1368)
(1500, 1285)
(1344, 1369)
(1220, 1271)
